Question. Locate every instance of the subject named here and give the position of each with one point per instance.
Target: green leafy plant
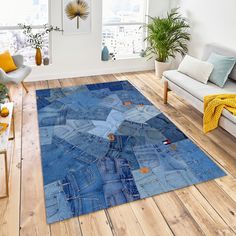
(36, 40)
(167, 36)
(3, 93)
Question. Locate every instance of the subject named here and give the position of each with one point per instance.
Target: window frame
(16, 27)
(145, 21)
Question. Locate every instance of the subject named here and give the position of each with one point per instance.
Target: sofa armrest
(19, 60)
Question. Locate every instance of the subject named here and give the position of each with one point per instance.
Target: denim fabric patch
(105, 144)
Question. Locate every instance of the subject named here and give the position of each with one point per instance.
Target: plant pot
(161, 67)
(38, 57)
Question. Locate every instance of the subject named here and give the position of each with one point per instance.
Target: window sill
(35, 66)
(122, 58)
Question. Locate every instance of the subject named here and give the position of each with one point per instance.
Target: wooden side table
(4, 139)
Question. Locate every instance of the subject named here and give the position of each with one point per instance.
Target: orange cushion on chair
(7, 62)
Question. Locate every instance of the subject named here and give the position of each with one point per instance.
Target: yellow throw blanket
(213, 108)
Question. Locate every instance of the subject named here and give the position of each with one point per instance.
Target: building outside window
(122, 26)
(29, 12)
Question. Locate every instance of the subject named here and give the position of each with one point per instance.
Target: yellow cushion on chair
(7, 62)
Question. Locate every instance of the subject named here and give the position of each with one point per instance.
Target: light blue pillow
(222, 68)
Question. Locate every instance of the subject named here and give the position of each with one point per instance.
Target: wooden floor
(205, 209)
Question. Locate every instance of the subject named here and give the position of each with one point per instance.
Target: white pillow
(196, 69)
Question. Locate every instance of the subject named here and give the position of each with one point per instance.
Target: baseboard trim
(53, 76)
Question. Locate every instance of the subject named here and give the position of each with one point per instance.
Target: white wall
(80, 55)
(212, 21)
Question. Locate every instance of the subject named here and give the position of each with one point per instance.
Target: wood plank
(228, 184)
(6, 202)
(107, 78)
(178, 217)
(124, 221)
(95, 224)
(54, 84)
(209, 221)
(66, 82)
(150, 218)
(220, 201)
(10, 207)
(69, 227)
(33, 216)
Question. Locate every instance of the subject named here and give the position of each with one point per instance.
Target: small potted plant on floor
(36, 40)
(166, 38)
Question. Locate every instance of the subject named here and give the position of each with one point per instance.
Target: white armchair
(17, 76)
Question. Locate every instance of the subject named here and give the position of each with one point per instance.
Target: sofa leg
(166, 90)
(25, 88)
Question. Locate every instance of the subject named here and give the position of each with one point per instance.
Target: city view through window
(122, 26)
(29, 12)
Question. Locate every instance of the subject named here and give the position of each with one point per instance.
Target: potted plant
(3, 93)
(167, 37)
(36, 40)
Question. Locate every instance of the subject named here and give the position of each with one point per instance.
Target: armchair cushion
(15, 76)
(19, 75)
(6, 62)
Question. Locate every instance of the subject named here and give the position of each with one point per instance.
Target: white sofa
(193, 91)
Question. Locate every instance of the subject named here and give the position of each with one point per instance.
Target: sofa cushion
(200, 90)
(222, 68)
(210, 48)
(229, 116)
(196, 69)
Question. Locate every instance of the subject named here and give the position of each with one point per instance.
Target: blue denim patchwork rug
(105, 144)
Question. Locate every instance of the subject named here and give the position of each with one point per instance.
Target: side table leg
(13, 126)
(6, 174)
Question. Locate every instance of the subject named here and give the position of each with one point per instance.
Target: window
(122, 31)
(29, 12)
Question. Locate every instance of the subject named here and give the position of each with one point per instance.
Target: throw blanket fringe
(213, 108)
